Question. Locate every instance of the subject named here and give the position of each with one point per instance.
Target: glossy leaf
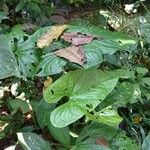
(107, 116)
(89, 147)
(85, 90)
(146, 143)
(122, 39)
(50, 64)
(32, 141)
(43, 114)
(60, 134)
(122, 142)
(97, 130)
(8, 63)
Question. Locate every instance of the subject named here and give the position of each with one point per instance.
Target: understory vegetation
(74, 75)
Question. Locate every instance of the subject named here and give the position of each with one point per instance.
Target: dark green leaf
(32, 141)
(60, 134)
(8, 62)
(50, 64)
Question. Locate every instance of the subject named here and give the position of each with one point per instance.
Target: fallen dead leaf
(77, 39)
(52, 34)
(102, 141)
(58, 19)
(73, 54)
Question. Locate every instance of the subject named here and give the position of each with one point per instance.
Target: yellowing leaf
(48, 82)
(137, 119)
(52, 34)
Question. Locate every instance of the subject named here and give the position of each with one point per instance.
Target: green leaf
(15, 104)
(17, 33)
(42, 110)
(93, 57)
(20, 5)
(85, 90)
(94, 51)
(106, 46)
(60, 134)
(83, 146)
(50, 64)
(25, 51)
(97, 130)
(124, 93)
(107, 116)
(146, 81)
(122, 39)
(32, 141)
(122, 142)
(8, 62)
(3, 15)
(146, 143)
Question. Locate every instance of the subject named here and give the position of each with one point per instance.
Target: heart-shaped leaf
(85, 90)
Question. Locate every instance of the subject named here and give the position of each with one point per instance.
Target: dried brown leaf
(73, 54)
(77, 39)
(52, 34)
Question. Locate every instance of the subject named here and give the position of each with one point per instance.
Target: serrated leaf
(52, 34)
(81, 93)
(8, 63)
(50, 64)
(32, 141)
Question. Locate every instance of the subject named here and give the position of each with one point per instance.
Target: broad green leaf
(107, 116)
(83, 146)
(146, 81)
(25, 51)
(27, 60)
(97, 130)
(106, 46)
(122, 39)
(20, 5)
(3, 15)
(85, 90)
(42, 110)
(17, 33)
(15, 104)
(50, 64)
(93, 57)
(8, 62)
(146, 143)
(60, 134)
(124, 93)
(32, 141)
(122, 142)
(94, 51)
